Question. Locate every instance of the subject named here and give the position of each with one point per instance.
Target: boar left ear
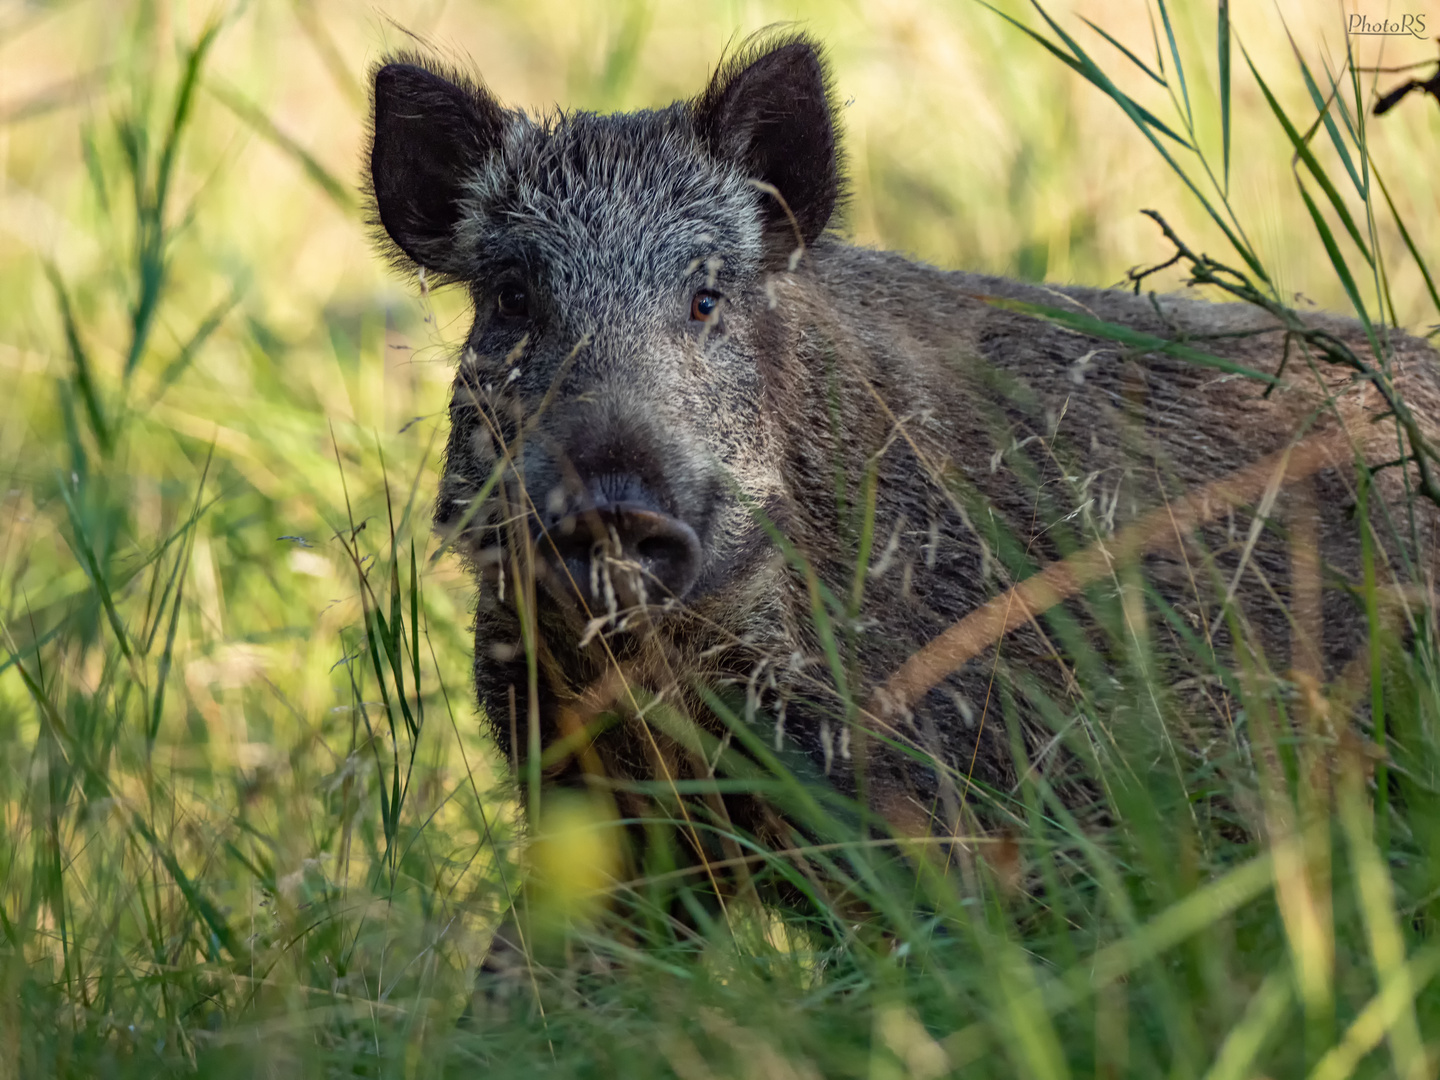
(429, 132)
(772, 116)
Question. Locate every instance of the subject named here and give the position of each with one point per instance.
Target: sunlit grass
(250, 823)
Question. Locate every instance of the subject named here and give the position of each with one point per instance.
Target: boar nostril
(654, 548)
(667, 549)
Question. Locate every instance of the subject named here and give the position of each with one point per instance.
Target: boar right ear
(429, 135)
(772, 115)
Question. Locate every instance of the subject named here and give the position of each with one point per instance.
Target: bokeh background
(207, 390)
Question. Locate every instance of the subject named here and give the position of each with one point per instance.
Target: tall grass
(250, 825)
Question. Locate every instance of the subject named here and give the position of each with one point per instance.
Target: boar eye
(511, 300)
(704, 305)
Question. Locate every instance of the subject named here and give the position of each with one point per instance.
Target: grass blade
(1179, 67)
(340, 193)
(1375, 893)
(84, 378)
(152, 240)
(182, 560)
(1138, 116)
(1240, 1051)
(1327, 117)
(186, 356)
(81, 545)
(203, 907)
(1409, 242)
(1222, 51)
(1303, 151)
(1082, 65)
(1098, 328)
(1128, 54)
(1342, 269)
(1379, 1017)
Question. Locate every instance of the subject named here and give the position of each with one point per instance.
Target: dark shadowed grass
(1202, 870)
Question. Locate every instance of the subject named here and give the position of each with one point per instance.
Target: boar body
(682, 396)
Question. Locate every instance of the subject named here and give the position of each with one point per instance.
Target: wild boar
(709, 461)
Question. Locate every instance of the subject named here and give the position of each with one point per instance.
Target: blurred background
(220, 416)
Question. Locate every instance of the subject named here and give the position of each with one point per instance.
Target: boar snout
(622, 553)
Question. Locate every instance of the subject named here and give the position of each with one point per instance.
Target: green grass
(251, 826)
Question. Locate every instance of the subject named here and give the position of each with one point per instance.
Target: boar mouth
(614, 556)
